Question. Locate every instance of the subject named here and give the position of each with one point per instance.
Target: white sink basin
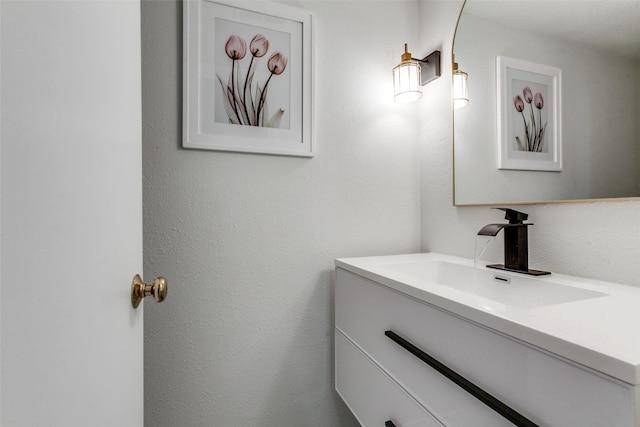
(590, 322)
(496, 285)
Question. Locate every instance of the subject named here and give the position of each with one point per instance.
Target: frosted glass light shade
(460, 89)
(407, 85)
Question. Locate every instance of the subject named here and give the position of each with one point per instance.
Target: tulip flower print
(527, 94)
(534, 130)
(244, 98)
(517, 101)
(519, 104)
(236, 48)
(259, 46)
(538, 101)
(276, 65)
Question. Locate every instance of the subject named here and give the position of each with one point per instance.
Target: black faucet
(516, 245)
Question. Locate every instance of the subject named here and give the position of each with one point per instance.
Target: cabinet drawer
(547, 390)
(371, 395)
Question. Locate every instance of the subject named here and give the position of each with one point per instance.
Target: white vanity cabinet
(373, 396)
(379, 379)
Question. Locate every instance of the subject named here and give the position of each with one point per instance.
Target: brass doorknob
(139, 290)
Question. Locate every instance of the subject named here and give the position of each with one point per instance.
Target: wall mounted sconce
(460, 88)
(411, 74)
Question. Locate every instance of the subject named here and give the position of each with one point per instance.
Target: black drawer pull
(500, 407)
(389, 424)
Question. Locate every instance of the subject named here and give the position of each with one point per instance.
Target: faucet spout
(491, 229)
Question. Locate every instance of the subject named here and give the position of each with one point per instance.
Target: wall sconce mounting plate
(430, 67)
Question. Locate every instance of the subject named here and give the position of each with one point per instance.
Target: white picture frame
(248, 77)
(529, 115)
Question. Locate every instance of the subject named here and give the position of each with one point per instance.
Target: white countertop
(600, 333)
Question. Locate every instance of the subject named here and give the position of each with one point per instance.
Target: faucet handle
(513, 216)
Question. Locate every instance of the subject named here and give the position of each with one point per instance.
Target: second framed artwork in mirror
(529, 115)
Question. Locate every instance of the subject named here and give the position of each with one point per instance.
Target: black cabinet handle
(500, 407)
(389, 424)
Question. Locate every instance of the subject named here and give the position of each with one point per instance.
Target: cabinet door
(373, 397)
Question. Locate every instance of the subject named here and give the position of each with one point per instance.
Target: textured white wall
(247, 242)
(597, 240)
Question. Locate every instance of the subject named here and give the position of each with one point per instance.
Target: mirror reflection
(596, 47)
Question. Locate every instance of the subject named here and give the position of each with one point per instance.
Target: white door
(71, 214)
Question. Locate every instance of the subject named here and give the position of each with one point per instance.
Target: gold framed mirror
(596, 45)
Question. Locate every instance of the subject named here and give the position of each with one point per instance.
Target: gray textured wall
(247, 241)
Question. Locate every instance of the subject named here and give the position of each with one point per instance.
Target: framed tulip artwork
(529, 108)
(248, 77)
